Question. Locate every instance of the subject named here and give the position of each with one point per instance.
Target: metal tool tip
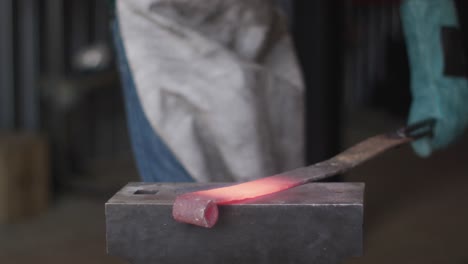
(195, 209)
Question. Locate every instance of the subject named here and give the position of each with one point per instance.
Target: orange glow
(248, 190)
(200, 208)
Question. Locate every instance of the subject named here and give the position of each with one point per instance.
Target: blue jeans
(154, 160)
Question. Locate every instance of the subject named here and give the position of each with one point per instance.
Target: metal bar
(7, 105)
(101, 22)
(28, 57)
(55, 38)
(200, 208)
(80, 25)
(313, 223)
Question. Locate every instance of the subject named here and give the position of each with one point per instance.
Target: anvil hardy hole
(145, 192)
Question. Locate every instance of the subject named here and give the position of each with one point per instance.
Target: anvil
(313, 223)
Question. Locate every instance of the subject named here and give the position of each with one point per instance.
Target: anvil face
(312, 223)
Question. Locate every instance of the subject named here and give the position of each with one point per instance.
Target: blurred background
(64, 146)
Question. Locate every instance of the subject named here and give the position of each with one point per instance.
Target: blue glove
(435, 95)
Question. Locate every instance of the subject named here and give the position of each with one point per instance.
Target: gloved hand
(435, 95)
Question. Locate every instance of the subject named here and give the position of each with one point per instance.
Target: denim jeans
(154, 160)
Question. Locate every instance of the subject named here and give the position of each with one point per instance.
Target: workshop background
(64, 147)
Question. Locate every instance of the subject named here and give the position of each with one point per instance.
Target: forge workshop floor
(416, 212)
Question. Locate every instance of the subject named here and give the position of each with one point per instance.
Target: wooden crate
(24, 177)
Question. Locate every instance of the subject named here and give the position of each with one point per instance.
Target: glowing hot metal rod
(201, 208)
